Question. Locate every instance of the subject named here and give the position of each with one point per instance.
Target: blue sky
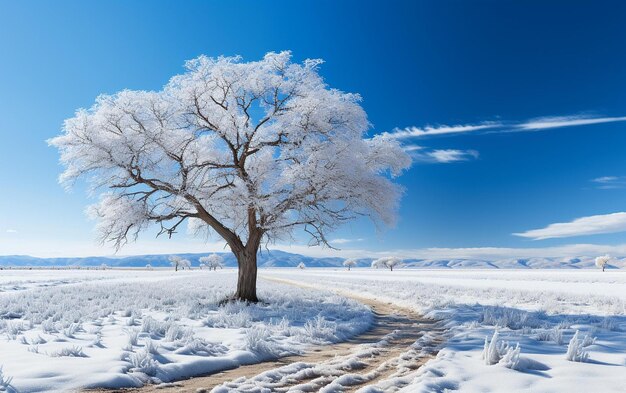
(424, 68)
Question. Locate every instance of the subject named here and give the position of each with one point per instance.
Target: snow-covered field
(62, 330)
(540, 310)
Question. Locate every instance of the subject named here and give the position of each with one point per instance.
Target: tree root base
(237, 299)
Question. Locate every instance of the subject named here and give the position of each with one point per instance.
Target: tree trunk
(246, 283)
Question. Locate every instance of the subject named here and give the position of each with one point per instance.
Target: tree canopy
(247, 150)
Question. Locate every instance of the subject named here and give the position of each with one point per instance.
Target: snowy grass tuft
(500, 352)
(5, 381)
(576, 351)
(142, 361)
(555, 335)
(197, 346)
(73, 351)
(260, 341)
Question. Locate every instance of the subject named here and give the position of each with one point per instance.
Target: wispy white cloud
(605, 179)
(445, 156)
(412, 148)
(11, 230)
(452, 155)
(591, 225)
(536, 124)
(411, 132)
(544, 123)
(610, 182)
(345, 241)
(423, 154)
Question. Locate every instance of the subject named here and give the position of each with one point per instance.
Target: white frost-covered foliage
(241, 148)
(576, 351)
(179, 262)
(387, 262)
(349, 263)
(301, 265)
(500, 352)
(213, 262)
(602, 261)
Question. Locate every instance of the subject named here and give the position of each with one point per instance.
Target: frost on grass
(576, 351)
(5, 382)
(173, 328)
(534, 312)
(260, 341)
(500, 352)
(73, 351)
(142, 361)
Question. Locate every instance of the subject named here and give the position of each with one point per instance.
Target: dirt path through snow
(386, 356)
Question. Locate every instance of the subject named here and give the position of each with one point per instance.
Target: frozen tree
(185, 264)
(248, 151)
(387, 262)
(148, 267)
(603, 261)
(179, 262)
(213, 262)
(393, 262)
(349, 263)
(301, 265)
(104, 266)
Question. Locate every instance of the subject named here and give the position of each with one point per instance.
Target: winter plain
(511, 330)
(352, 196)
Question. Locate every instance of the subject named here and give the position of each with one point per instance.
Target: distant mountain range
(276, 258)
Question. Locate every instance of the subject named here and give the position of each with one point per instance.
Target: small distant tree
(213, 262)
(179, 262)
(174, 261)
(387, 262)
(185, 264)
(378, 263)
(603, 261)
(301, 265)
(148, 267)
(349, 263)
(104, 266)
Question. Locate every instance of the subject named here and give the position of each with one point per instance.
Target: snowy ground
(541, 310)
(61, 330)
(67, 329)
